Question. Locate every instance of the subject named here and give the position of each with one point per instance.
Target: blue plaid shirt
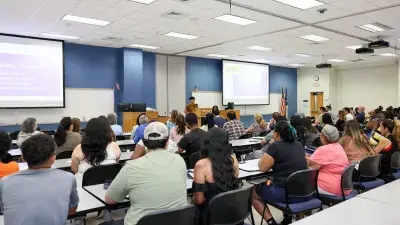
(139, 134)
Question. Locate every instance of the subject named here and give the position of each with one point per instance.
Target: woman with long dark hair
(179, 130)
(310, 133)
(66, 140)
(341, 120)
(172, 120)
(208, 122)
(97, 148)
(217, 172)
(7, 165)
(297, 123)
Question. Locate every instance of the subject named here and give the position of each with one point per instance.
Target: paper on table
(251, 165)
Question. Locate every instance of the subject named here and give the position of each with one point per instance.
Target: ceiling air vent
(110, 38)
(356, 60)
(174, 15)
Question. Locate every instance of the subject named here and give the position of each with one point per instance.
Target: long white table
(15, 152)
(245, 142)
(87, 203)
(125, 142)
(388, 193)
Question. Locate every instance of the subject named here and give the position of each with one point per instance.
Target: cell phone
(107, 184)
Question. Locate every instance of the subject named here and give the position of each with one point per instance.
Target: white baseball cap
(156, 131)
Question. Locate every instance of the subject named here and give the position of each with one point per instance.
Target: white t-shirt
(349, 117)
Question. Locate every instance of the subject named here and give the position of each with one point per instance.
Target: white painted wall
(368, 86)
(161, 85)
(176, 69)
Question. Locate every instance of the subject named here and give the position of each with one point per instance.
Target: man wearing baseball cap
(156, 181)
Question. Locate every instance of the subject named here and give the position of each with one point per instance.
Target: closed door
(316, 101)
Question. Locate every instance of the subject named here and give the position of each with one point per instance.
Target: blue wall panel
(133, 75)
(149, 79)
(284, 77)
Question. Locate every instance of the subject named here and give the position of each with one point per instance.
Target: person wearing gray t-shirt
(39, 195)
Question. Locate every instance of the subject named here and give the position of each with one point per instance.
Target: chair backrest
(230, 208)
(99, 174)
(120, 137)
(14, 135)
(49, 132)
(370, 166)
(263, 134)
(245, 136)
(395, 161)
(187, 215)
(347, 178)
(64, 155)
(302, 183)
(317, 142)
(193, 158)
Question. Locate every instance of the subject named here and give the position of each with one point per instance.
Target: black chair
(263, 134)
(14, 135)
(369, 168)
(346, 184)
(395, 165)
(193, 158)
(230, 208)
(300, 184)
(99, 174)
(187, 215)
(49, 132)
(245, 136)
(120, 137)
(317, 142)
(64, 155)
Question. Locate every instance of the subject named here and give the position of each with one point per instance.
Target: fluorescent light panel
(143, 1)
(258, 48)
(301, 4)
(180, 35)
(388, 55)
(374, 27)
(143, 46)
(85, 20)
(303, 55)
(59, 36)
(295, 64)
(354, 47)
(313, 37)
(336, 60)
(229, 18)
(218, 56)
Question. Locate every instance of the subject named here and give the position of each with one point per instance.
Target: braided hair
(286, 132)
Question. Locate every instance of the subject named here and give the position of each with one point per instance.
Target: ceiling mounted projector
(324, 65)
(364, 50)
(378, 44)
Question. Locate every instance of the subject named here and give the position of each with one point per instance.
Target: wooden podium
(129, 119)
(202, 112)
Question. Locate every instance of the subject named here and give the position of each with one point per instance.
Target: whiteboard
(207, 99)
(84, 103)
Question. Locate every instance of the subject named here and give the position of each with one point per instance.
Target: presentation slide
(245, 83)
(31, 73)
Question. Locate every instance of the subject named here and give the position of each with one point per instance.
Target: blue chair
(230, 208)
(369, 168)
(346, 184)
(300, 184)
(395, 165)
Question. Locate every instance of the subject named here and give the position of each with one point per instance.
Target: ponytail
(61, 134)
(286, 131)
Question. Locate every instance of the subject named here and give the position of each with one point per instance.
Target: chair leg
(262, 216)
(252, 217)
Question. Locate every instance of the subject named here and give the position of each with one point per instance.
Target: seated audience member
(28, 129)
(66, 140)
(285, 156)
(112, 120)
(310, 133)
(396, 131)
(104, 120)
(97, 148)
(76, 125)
(193, 141)
(154, 182)
(7, 165)
(144, 122)
(327, 119)
(41, 194)
(388, 114)
(136, 126)
(333, 115)
(217, 172)
(297, 123)
(218, 120)
(172, 120)
(341, 120)
(270, 135)
(361, 114)
(209, 122)
(259, 126)
(273, 121)
(354, 143)
(234, 127)
(347, 113)
(179, 130)
(385, 144)
(322, 111)
(331, 160)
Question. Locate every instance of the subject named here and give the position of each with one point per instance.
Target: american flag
(284, 102)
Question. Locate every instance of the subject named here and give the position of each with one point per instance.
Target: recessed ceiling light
(180, 35)
(218, 56)
(374, 27)
(259, 48)
(296, 65)
(59, 36)
(354, 47)
(388, 55)
(229, 18)
(336, 60)
(262, 61)
(313, 37)
(301, 4)
(303, 55)
(85, 20)
(143, 1)
(143, 46)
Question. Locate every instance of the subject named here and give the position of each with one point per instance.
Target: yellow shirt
(191, 107)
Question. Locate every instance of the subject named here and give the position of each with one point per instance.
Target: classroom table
(125, 143)
(388, 193)
(14, 142)
(87, 203)
(127, 134)
(244, 146)
(15, 152)
(356, 211)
